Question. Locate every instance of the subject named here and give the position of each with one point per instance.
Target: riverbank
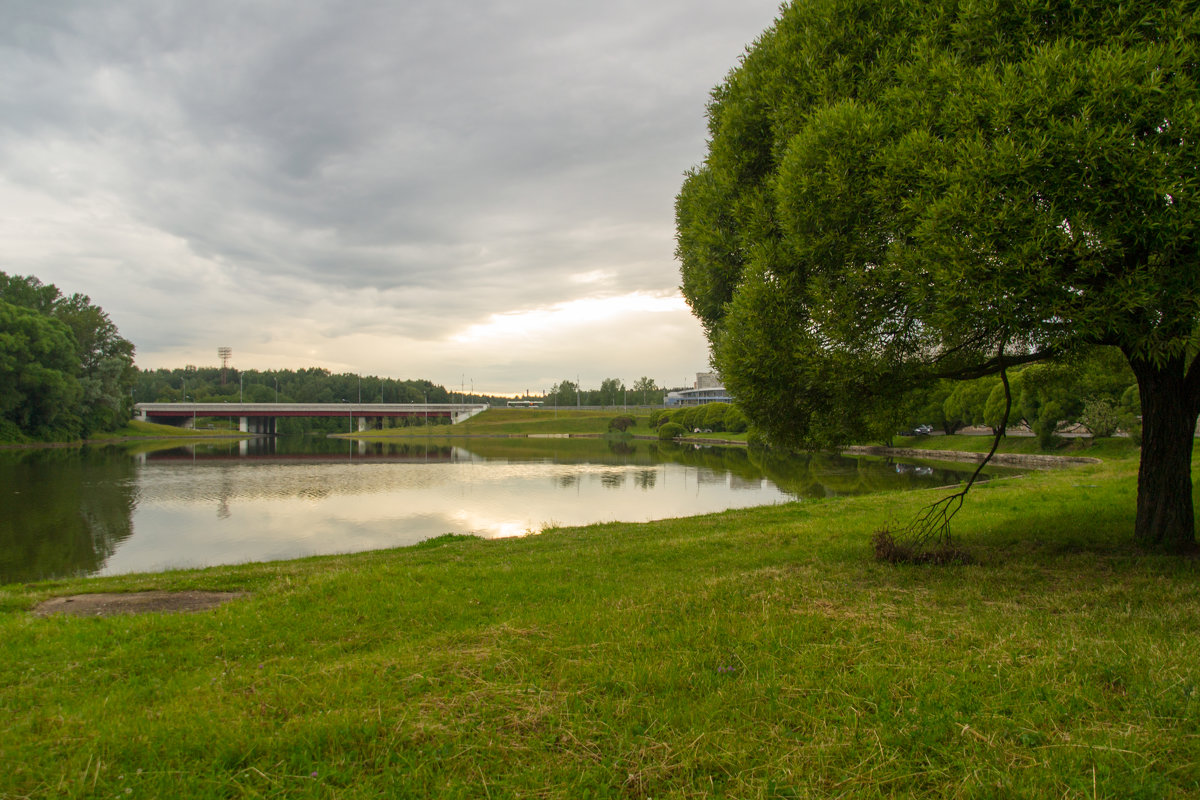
(516, 422)
(754, 653)
(136, 430)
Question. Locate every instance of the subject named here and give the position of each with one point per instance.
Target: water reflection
(152, 506)
(65, 512)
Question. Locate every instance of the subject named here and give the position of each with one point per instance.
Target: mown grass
(754, 654)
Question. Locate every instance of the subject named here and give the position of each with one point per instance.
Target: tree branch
(931, 528)
(996, 365)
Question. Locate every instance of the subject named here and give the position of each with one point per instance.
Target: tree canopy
(899, 193)
(65, 371)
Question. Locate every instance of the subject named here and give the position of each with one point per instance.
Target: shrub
(1100, 417)
(621, 423)
(690, 418)
(1046, 424)
(669, 431)
(735, 420)
(1131, 414)
(714, 416)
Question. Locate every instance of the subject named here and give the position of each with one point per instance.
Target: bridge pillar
(244, 424)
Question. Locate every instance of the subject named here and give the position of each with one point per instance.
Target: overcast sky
(477, 192)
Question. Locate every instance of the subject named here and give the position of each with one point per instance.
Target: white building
(706, 389)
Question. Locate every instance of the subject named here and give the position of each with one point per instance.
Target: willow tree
(897, 193)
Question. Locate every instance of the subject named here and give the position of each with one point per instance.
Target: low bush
(621, 423)
(669, 431)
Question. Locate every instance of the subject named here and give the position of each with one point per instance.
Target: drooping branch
(928, 535)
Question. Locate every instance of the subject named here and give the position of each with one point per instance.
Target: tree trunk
(1165, 517)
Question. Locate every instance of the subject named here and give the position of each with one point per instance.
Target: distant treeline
(309, 385)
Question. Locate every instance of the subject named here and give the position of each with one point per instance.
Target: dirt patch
(108, 604)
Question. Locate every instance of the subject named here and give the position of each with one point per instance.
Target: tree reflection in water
(84, 510)
(67, 510)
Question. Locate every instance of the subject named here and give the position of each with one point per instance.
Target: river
(149, 506)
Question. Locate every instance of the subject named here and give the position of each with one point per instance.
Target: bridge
(260, 417)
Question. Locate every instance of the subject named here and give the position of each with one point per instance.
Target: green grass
(1075, 446)
(137, 429)
(524, 422)
(753, 654)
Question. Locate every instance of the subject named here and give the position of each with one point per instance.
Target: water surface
(111, 510)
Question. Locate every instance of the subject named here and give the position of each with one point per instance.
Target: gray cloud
(364, 169)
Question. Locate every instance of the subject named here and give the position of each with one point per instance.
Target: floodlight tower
(225, 353)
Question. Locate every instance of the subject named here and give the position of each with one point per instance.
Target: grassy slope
(525, 421)
(755, 653)
(137, 429)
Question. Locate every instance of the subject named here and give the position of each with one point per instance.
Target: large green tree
(101, 372)
(39, 393)
(896, 193)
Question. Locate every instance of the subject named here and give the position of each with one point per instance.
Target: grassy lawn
(752, 654)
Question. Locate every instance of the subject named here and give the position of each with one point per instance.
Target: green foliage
(899, 193)
(39, 388)
(690, 418)
(612, 392)
(646, 390)
(968, 401)
(621, 423)
(1130, 406)
(564, 394)
(735, 421)
(67, 372)
(1100, 417)
(670, 431)
(928, 404)
(713, 418)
